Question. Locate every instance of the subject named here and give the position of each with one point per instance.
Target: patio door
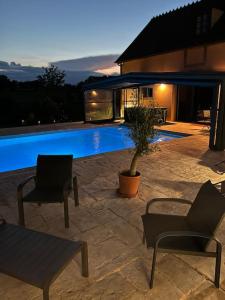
(194, 104)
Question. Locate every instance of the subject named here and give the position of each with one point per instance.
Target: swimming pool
(20, 151)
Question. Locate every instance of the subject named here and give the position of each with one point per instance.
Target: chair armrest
(177, 200)
(21, 186)
(220, 186)
(178, 234)
(67, 185)
(67, 188)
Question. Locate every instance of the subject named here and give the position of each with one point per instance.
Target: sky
(35, 32)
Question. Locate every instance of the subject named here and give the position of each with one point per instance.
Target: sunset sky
(35, 32)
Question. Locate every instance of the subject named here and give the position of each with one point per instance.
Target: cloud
(109, 71)
(4, 65)
(91, 63)
(76, 70)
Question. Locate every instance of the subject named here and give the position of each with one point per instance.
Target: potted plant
(142, 131)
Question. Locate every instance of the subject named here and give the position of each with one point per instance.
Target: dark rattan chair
(37, 258)
(190, 234)
(53, 183)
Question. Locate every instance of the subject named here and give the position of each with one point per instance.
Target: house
(179, 61)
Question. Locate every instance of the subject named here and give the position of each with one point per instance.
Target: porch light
(94, 93)
(93, 103)
(162, 86)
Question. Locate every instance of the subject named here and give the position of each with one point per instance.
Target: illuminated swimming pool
(20, 151)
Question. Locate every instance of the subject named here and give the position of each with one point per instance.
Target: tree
(142, 131)
(52, 77)
(4, 82)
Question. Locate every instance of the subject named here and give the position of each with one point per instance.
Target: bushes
(33, 101)
(154, 110)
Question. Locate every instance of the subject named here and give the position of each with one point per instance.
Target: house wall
(205, 58)
(164, 95)
(216, 57)
(169, 62)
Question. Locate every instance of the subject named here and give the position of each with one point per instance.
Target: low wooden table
(37, 258)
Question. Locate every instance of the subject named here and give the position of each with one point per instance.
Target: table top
(34, 257)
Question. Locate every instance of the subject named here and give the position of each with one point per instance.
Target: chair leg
(218, 265)
(66, 212)
(46, 294)
(21, 212)
(84, 259)
(153, 267)
(75, 191)
(143, 239)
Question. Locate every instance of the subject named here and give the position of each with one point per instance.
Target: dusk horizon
(76, 70)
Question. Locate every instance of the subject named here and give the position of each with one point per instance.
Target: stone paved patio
(119, 263)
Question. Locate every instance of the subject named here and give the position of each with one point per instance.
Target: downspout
(214, 116)
(220, 130)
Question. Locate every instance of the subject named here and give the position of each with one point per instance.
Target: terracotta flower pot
(129, 184)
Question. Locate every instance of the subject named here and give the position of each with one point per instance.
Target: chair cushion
(44, 195)
(155, 224)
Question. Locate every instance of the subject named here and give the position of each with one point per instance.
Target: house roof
(176, 30)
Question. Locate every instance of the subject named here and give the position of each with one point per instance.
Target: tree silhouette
(52, 77)
(46, 100)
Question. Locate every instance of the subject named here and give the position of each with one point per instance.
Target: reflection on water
(96, 139)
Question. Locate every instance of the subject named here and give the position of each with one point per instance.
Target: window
(202, 24)
(147, 92)
(98, 105)
(131, 97)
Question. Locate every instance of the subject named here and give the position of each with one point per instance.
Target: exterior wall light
(94, 93)
(162, 86)
(94, 104)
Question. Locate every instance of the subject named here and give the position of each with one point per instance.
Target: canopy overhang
(132, 80)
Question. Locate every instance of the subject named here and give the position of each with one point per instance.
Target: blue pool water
(20, 151)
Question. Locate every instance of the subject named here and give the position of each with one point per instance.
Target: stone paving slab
(119, 263)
